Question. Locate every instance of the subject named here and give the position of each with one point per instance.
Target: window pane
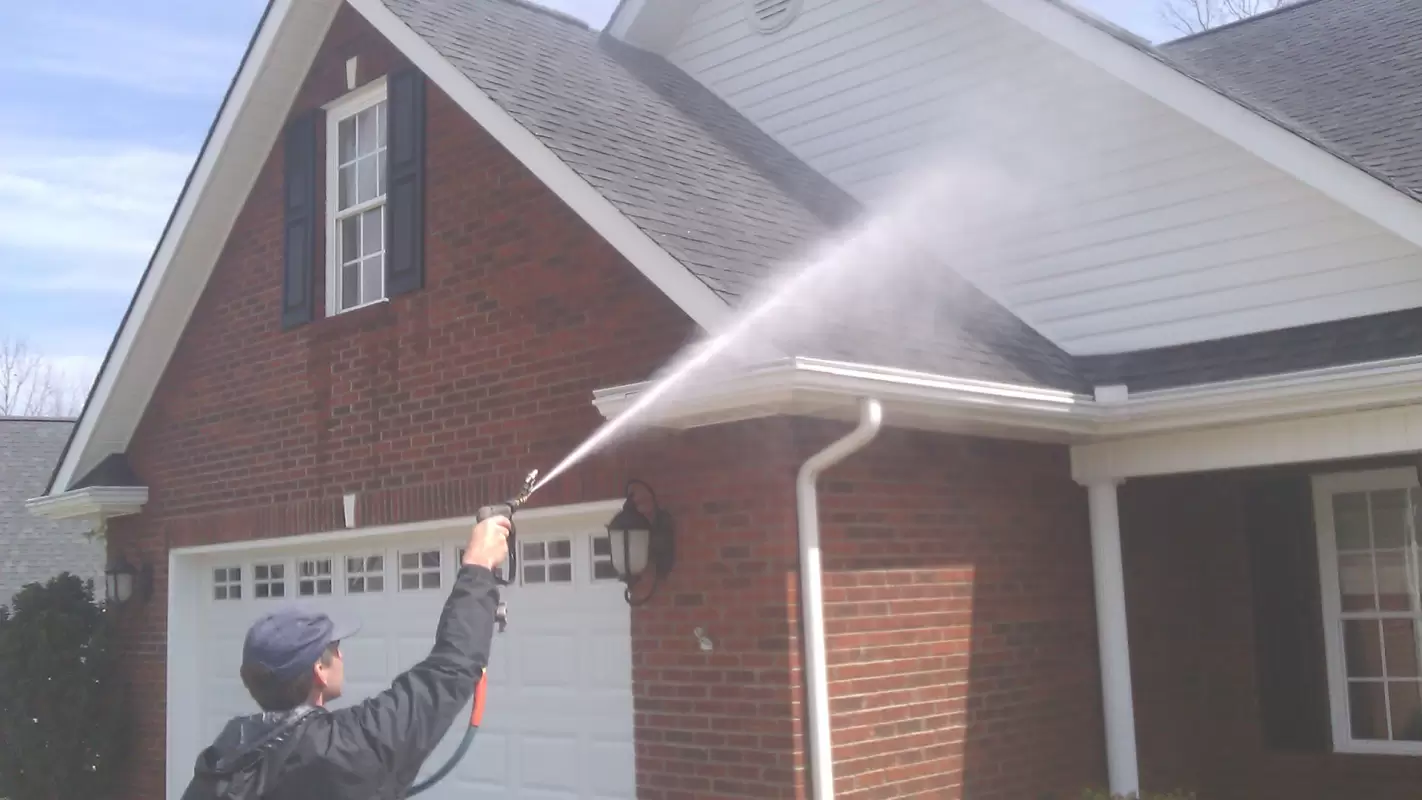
(409, 561)
(380, 176)
(560, 573)
(430, 558)
(372, 232)
(350, 286)
(533, 573)
(373, 276)
(1405, 697)
(347, 190)
(1355, 582)
(1362, 648)
(346, 133)
(1367, 707)
(410, 580)
(366, 134)
(429, 580)
(1400, 641)
(365, 178)
(350, 239)
(380, 109)
(1350, 521)
(1389, 518)
(560, 549)
(375, 583)
(1394, 583)
(353, 565)
(533, 551)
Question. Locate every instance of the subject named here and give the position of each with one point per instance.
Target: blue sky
(103, 105)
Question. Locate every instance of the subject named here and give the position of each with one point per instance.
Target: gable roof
(33, 549)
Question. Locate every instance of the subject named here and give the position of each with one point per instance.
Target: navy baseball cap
(289, 640)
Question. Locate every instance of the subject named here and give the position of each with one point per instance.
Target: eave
(96, 503)
(829, 389)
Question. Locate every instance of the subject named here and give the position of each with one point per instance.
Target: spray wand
(501, 616)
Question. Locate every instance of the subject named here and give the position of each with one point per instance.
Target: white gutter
(812, 603)
(812, 386)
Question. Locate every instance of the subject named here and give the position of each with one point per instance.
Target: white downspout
(812, 601)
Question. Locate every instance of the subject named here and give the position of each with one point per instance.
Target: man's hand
(488, 543)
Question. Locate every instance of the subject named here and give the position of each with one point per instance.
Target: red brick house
(1136, 506)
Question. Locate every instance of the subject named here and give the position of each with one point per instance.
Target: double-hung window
(356, 187)
(1371, 576)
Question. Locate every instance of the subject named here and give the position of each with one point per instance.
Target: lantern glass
(629, 550)
(118, 582)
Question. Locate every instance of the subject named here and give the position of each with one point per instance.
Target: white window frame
(1324, 488)
(338, 110)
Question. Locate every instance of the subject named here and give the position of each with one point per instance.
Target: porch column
(1119, 709)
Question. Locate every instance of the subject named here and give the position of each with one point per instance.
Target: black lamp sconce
(639, 543)
(123, 582)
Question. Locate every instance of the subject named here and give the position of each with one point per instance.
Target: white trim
(1262, 137)
(159, 281)
(95, 502)
(1324, 487)
(337, 111)
(824, 387)
(704, 306)
(530, 520)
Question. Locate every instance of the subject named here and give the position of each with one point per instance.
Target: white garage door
(558, 721)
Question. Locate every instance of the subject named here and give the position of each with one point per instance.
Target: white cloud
(92, 212)
(119, 52)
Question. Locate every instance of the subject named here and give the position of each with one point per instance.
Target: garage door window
(269, 580)
(419, 570)
(315, 577)
(548, 562)
(365, 574)
(603, 570)
(227, 583)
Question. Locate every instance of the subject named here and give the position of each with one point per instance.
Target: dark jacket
(370, 751)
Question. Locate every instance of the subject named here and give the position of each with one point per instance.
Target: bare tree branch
(1196, 16)
(30, 386)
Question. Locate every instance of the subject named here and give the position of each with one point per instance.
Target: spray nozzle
(525, 491)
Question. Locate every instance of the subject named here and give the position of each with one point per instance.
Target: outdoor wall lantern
(122, 582)
(638, 543)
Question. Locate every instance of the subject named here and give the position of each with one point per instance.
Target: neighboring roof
(1346, 74)
(714, 190)
(1359, 340)
(34, 549)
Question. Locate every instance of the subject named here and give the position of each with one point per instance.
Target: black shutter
(300, 221)
(1290, 667)
(405, 198)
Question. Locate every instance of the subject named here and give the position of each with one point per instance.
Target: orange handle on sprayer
(476, 717)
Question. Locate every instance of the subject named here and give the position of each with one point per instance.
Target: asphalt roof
(1344, 74)
(720, 195)
(34, 549)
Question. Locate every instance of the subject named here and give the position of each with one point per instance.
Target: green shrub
(62, 707)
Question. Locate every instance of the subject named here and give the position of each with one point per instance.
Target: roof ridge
(28, 418)
(1273, 12)
(551, 12)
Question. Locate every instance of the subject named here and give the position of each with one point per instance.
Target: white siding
(1143, 229)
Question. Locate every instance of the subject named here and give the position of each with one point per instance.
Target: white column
(1115, 650)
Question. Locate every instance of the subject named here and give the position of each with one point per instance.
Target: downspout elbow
(871, 415)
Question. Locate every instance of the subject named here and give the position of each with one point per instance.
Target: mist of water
(881, 275)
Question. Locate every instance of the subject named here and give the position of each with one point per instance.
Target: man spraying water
(292, 666)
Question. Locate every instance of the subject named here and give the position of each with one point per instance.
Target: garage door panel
(558, 719)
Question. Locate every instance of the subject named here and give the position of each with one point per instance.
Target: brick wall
(961, 621)
(1192, 633)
